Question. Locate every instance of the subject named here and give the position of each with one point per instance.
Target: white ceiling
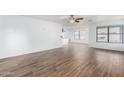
(87, 18)
(63, 19)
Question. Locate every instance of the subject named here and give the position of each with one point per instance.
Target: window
(110, 34)
(102, 34)
(115, 34)
(80, 35)
(77, 35)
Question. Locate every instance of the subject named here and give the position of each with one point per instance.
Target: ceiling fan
(73, 19)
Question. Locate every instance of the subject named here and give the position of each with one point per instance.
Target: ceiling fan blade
(79, 18)
(77, 21)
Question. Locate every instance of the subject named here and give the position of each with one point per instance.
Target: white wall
(20, 35)
(92, 37)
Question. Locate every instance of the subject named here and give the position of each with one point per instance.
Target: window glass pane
(115, 30)
(115, 38)
(76, 35)
(102, 38)
(102, 34)
(102, 30)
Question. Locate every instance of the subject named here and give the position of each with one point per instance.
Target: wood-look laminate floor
(75, 60)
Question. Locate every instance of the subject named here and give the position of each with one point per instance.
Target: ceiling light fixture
(71, 19)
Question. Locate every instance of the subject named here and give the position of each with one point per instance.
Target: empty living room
(62, 45)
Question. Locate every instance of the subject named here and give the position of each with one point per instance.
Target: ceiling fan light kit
(71, 19)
